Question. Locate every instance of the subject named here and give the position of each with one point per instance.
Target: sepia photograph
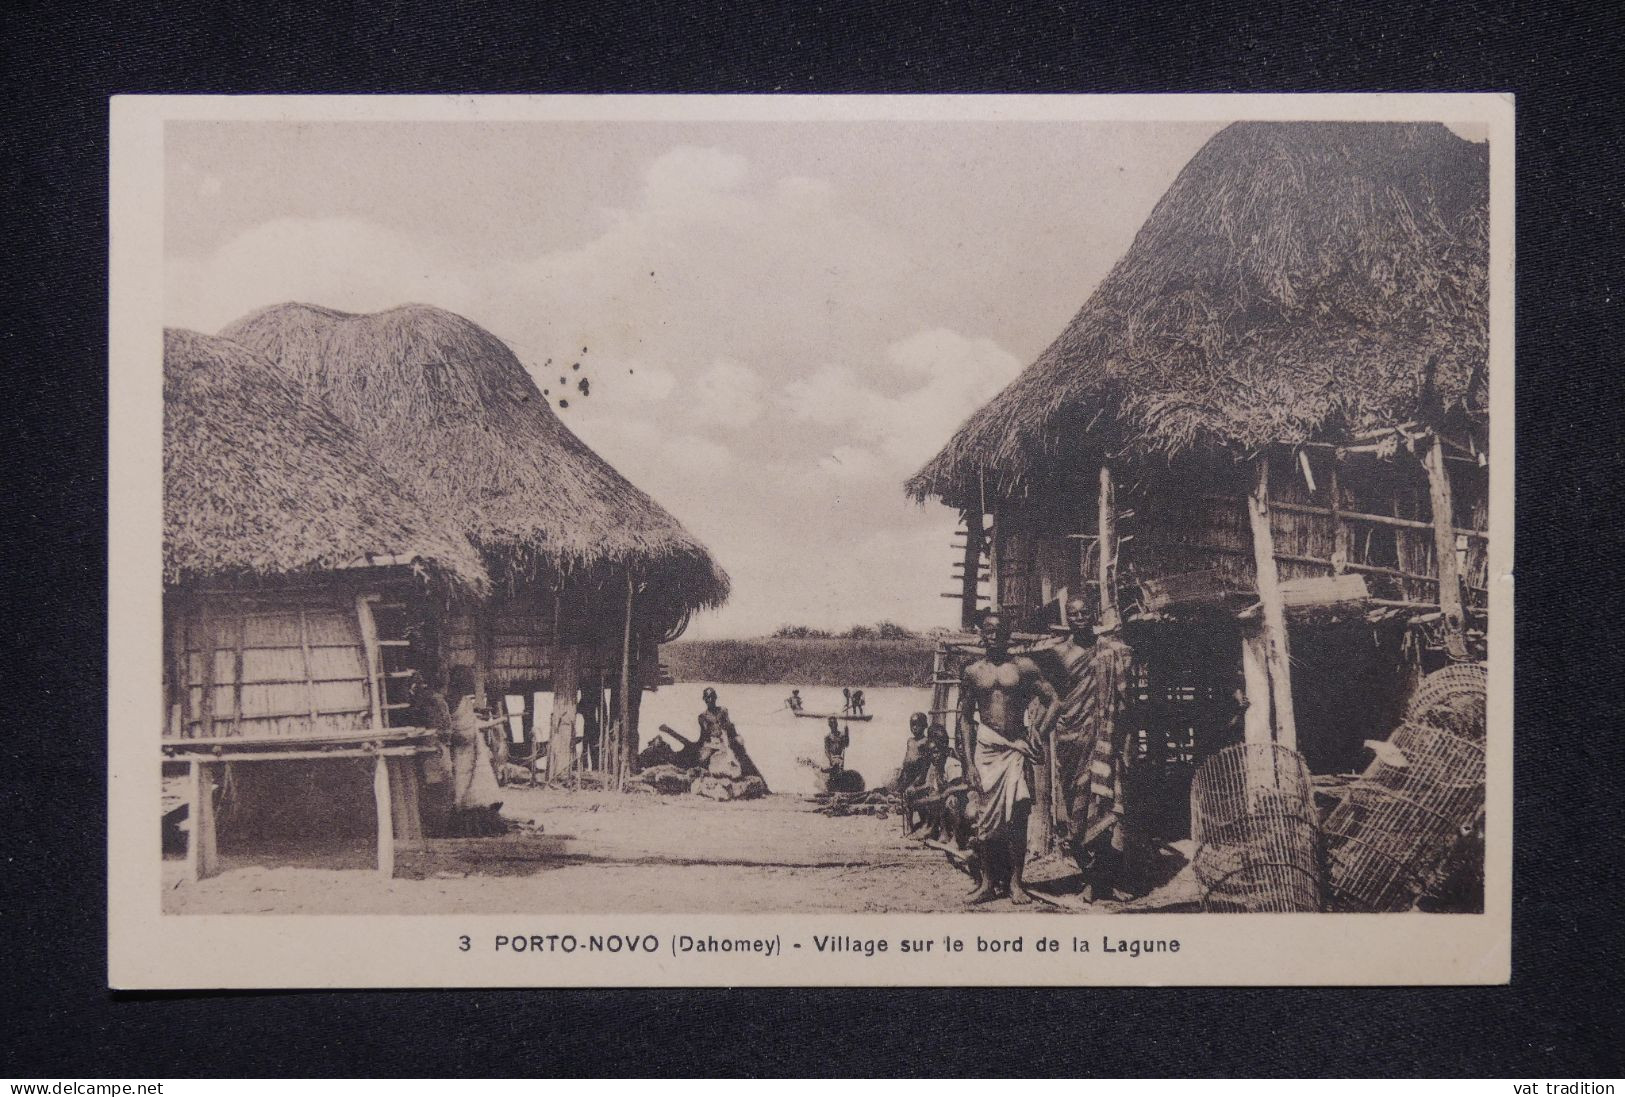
(783, 535)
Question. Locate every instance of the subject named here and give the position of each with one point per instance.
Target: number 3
(462, 945)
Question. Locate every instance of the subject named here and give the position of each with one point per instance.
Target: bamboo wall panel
(292, 670)
(1193, 518)
(459, 639)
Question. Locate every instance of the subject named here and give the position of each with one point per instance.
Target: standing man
(1090, 752)
(995, 692)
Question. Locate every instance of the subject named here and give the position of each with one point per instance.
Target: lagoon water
(776, 739)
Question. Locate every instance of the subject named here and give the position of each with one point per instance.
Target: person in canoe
(793, 702)
(857, 702)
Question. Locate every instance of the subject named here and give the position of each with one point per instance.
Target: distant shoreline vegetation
(868, 656)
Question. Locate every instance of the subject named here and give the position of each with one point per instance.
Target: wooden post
(1277, 653)
(973, 568)
(386, 817)
(626, 746)
(1340, 530)
(206, 706)
(405, 809)
(237, 676)
(1106, 545)
(995, 581)
(202, 857)
(484, 627)
(566, 688)
(1256, 681)
(1444, 545)
(375, 662)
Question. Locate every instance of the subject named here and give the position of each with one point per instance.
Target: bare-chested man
(995, 692)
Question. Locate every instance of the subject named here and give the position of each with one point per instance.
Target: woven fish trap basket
(1397, 827)
(1254, 822)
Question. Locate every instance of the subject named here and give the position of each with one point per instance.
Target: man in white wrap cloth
(995, 692)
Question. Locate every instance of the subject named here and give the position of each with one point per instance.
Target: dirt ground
(625, 854)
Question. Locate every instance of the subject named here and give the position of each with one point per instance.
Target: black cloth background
(1561, 1017)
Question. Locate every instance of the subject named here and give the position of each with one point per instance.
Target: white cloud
(342, 262)
(749, 356)
(952, 376)
(728, 392)
(687, 175)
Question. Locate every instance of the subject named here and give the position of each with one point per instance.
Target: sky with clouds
(783, 321)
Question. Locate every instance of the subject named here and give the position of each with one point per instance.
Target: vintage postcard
(810, 540)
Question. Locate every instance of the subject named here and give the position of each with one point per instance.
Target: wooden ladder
(984, 566)
(945, 696)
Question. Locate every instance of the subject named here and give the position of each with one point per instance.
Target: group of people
(851, 706)
(922, 780)
(981, 818)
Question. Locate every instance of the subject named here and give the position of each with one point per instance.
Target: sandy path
(771, 855)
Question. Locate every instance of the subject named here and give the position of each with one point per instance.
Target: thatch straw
(1297, 280)
(261, 481)
(445, 406)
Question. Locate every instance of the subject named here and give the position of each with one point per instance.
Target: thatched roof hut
(446, 406)
(1298, 280)
(261, 481)
(1255, 460)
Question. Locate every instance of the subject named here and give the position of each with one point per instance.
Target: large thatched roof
(1298, 278)
(445, 406)
(262, 481)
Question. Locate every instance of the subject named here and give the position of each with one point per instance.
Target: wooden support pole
(405, 804)
(1277, 653)
(972, 568)
(180, 610)
(1341, 534)
(484, 627)
(995, 581)
(1444, 542)
(385, 813)
(1256, 681)
(206, 626)
(373, 655)
(202, 853)
(1107, 549)
(623, 764)
(566, 688)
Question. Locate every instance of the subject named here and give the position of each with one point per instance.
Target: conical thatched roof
(445, 406)
(1298, 278)
(262, 481)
